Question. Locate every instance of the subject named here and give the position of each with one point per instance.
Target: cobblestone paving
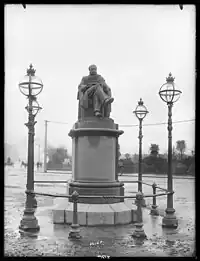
(52, 240)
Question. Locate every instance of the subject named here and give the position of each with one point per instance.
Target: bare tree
(154, 150)
(181, 146)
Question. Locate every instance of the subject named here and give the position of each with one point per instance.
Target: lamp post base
(74, 232)
(154, 211)
(170, 220)
(29, 222)
(139, 231)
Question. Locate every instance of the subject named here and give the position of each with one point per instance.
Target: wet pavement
(106, 241)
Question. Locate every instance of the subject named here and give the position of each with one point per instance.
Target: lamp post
(30, 86)
(169, 94)
(140, 112)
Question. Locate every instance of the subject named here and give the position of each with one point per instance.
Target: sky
(135, 47)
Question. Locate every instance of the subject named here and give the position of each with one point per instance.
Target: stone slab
(130, 203)
(82, 213)
(95, 214)
(123, 213)
(58, 216)
(100, 215)
(58, 211)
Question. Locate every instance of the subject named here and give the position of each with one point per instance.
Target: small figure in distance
(121, 167)
(38, 165)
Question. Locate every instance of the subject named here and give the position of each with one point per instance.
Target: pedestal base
(74, 232)
(99, 189)
(170, 220)
(154, 211)
(139, 231)
(95, 214)
(29, 222)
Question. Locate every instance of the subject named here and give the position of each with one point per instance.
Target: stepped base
(95, 214)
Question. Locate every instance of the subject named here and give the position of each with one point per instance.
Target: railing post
(75, 231)
(143, 203)
(154, 210)
(29, 222)
(139, 231)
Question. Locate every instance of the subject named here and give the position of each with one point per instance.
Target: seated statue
(94, 95)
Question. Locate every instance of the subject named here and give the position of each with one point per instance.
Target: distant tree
(63, 153)
(155, 164)
(57, 155)
(154, 150)
(181, 146)
(127, 156)
(119, 153)
(51, 151)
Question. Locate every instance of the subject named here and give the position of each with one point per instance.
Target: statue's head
(93, 69)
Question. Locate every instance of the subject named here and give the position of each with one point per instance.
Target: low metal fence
(139, 232)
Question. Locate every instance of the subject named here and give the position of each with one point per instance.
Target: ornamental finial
(170, 78)
(140, 102)
(30, 70)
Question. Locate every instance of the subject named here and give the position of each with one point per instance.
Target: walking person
(121, 167)
(38, 165)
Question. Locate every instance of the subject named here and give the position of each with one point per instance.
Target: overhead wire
(135, 125)
(153, 124)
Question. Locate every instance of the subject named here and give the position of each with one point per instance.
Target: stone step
(95, 214)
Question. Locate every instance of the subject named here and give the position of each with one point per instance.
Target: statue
(94, 95)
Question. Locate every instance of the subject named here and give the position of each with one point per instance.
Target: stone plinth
(95, 214)
(94, 164)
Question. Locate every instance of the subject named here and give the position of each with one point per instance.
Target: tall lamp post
(169, 94)
(140, 112)
(30, 86)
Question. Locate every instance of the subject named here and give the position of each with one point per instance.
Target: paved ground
(109, 241)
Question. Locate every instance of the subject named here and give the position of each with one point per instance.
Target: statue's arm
(106, 88)
(81, 88)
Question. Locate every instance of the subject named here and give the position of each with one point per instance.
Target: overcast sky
(134, 47)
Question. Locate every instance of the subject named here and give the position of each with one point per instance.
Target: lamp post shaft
(170, 181)
(140, 157)
(31, 133)
(38, 153)
(170, 220)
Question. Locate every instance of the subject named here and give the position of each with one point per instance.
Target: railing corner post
(154, 211)
(139, 231)
(75, 230)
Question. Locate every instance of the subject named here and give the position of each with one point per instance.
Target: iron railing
(139, 232)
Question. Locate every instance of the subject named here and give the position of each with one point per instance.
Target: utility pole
(39, 153)
(45, 147)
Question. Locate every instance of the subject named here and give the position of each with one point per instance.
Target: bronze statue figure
(94, 95)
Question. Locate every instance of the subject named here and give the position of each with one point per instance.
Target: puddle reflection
(139, 241)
